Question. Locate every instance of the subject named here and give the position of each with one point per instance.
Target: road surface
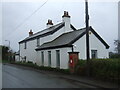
(25, 77)
(0, 75)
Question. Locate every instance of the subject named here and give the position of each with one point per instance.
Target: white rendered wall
(29, 52)
(17, 58)
(64, 57)
(45, 39)
(80, 46)
(67, 27)
(95, 44)
(39, 60)
(22, 51)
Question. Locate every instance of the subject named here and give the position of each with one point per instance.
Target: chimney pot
(66, 14)
(49, 22)
(30, 33)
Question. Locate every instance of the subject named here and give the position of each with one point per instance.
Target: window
(25, 45)
(93, 54)
(49, 58)
(42, 57)
(58, 58)
(38, 42)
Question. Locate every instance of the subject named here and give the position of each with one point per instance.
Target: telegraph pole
(87, 37)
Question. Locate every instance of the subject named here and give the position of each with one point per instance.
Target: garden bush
(80, 68)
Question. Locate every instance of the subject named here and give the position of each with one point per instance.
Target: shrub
(114, 55)
(80, 68)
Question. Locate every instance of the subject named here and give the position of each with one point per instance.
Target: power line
(28, 17)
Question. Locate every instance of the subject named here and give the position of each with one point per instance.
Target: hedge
(106, 69)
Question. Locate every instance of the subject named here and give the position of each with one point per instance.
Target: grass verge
(30, 64)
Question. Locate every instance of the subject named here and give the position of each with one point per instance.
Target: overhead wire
(27, 18)
(57, 15)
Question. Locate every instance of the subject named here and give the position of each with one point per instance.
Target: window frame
(49, 58)
(95, 52)
(58, 58)
(38, 42)
(42, 57)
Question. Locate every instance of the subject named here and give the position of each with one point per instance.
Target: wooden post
(87, 37)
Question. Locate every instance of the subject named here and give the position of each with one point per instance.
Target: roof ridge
(40, 32)
(47, 28)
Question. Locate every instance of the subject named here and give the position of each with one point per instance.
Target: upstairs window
(38, 42)
(25, 46)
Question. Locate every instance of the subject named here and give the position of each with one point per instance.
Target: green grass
(30, 64)
(6, 61)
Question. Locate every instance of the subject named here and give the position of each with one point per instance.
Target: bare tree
(117, 46)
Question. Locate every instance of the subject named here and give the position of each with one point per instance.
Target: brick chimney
(30, 33)
(49, 23)
(66, 20)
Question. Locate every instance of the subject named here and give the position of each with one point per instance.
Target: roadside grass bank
(5, 61)
(30, 64)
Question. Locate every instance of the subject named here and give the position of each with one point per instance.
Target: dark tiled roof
(64, 40)
(67, 39)
(46, 32)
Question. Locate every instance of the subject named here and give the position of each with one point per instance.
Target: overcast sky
(103, 18)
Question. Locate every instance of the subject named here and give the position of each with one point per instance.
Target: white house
(50, 47)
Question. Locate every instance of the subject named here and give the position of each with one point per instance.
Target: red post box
(73, 60)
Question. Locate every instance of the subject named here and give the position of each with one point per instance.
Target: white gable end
(95, 44)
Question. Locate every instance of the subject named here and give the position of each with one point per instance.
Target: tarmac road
(14, 76)
(0, 76)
